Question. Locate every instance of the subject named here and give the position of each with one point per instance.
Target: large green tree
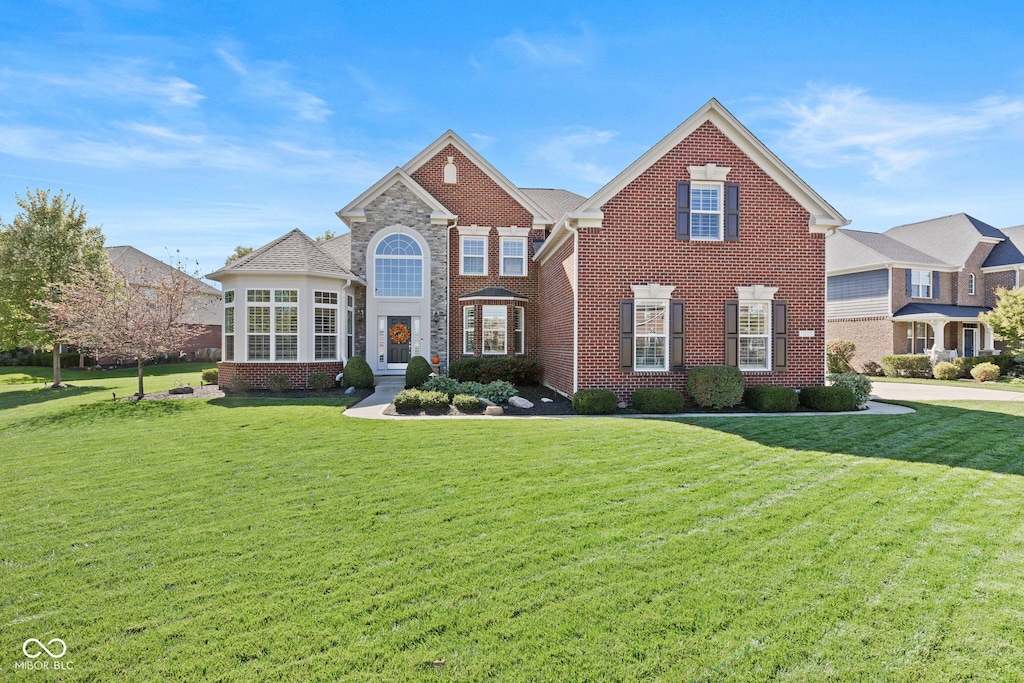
(1007, 318)
(41, 251)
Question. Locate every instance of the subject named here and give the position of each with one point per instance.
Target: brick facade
(555, 307)
(257, 373)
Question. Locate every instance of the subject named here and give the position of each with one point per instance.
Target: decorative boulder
(547, 400)
(180, 390)
(520, 402)
(494, 410)
(350, 390)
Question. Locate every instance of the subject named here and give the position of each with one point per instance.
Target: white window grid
(650, 336)
(513, 256)
(495, 330)
(705, 211)
(473, 252)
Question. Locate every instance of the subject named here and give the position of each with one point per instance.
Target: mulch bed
(213, 391)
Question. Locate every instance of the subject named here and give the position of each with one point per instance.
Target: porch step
(389, 381)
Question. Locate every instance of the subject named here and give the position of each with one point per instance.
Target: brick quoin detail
(257, 373)
(636, 245)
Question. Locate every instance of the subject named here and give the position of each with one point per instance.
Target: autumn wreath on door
(399, 333)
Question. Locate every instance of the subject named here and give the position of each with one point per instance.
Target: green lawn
(1002, 384)
(254, 540)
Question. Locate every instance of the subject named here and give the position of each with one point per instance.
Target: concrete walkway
(372, 408)
(899, 391)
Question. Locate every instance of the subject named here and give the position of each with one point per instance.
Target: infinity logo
(63, 648)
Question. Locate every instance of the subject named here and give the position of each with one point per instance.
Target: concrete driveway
(897, 391)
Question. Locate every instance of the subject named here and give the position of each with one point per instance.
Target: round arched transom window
(398, 267)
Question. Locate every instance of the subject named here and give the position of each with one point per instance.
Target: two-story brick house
(919, 288)
(706, 250)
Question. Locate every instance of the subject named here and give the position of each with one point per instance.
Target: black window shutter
(732, 333)
(626, 335)
(683, 210)
(676, 334)
(910, 283)
(780, 343)
(732, 212)
(935, 284)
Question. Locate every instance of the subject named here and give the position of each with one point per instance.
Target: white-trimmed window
(519, 327)
(229, 325)
(495, 329)
(398, 266)
(920, 338)
(971, 284)
(755, 326)
(468, 330)
(257, 316)
(921, 284)
(350, 326)
(513, 256)
(325, 325)
(474, 255)
(286, 324)
(650, 336)
(705, 211)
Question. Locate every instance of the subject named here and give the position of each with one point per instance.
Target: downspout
(575, 306)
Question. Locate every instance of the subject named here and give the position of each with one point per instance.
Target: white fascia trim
(494, 298)
(823, 214)
(473, 230)
(451, 138)
(355, 211)
(514, 232)
(301, 273)
(928, 317)
(569, 224)
(990, 269)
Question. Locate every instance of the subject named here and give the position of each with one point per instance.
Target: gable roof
(1009, 252)
(293, 252)
(340, 249)
(540, 216)
(850, 250)
(355, 211)
(950, 239)
(129, 260)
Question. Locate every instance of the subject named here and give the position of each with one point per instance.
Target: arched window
(398, 267)
(970, 284)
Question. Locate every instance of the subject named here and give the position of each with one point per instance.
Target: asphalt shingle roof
(492, 293)
(294, 251)
(849, 249)
(1009, 252)
(556, 203)
(942, 310)
(951, 239)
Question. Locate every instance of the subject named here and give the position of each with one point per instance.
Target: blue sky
(199, 126)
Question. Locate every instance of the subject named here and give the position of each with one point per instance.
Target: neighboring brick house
(919, 288)
(707, 250)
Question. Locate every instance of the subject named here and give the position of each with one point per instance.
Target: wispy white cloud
(266, 81)
(568, 152)
(848, 126)
(377, 98)
(548, 49)
(119, 80)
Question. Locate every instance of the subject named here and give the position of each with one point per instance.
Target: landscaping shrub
(417, 372)
(465, 403)
(433, 400)
(9, 359)
(408, 399)
(715, 386)
(471, 388)
(838, 354)
(238, 385)
(872, 369)
(448, 385)
(831, 399)
(858, 384)
(770, 399)
(520, 371)
(967, 363)
(45, 360)
(319, 381)
(945, 370)
(466, 369)
(657, 401)
(595, 402)
(907, 365)
(498, 391)
(210, 375)
(358, 373)
(985, 372)
(278, 382)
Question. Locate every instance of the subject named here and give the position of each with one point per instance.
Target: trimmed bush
(838, 354)
(715, 386)
(406, 400)
(448, 385)
(907, 365)
(358, 373)
(466, 369)
(433, 400)
(278, 382)
(417, 372)
(210, 375)
(945, 370)
(657, 401)
(595, 402)
(833, 399)
(967, 363)
(985, 372)
(520, 371)
(45, 360)
(319, 381)
(858, 384)
(770, 399)
(498, 391)
(465, 403)
(238, 385)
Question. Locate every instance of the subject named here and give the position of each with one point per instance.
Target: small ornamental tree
(1007, 318)
(134, 315)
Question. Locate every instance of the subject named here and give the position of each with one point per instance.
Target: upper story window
(705, 211)
(971, 285)
(513, 256)
(474, 255)
(921, 284)
(398, 267)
